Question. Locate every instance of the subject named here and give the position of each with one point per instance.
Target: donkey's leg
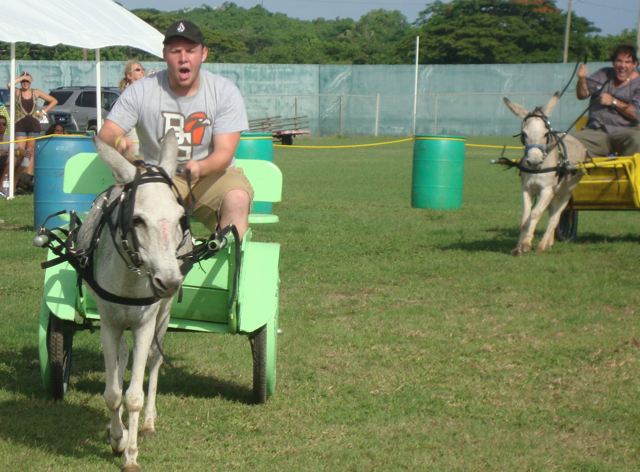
(545, 198)
(155, 361)
(524, 222)
(118, 436)
(555, 213)
(142, 338)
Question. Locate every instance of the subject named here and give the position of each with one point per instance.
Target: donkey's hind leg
(116, 355)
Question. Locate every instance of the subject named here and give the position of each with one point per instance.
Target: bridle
(116, 214)
(122, 227)
(554, 139)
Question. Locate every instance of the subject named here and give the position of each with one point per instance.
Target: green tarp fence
(463, 100)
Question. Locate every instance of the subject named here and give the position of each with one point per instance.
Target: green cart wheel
(55, 351)
(263, 348)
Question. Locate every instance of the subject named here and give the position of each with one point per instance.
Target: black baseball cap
(184, 29)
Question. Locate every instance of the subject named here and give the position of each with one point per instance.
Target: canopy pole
(98, 93)
(12, 120)
(415, 93)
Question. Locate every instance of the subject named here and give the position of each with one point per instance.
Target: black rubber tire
(258, 342)
(60, 347)
(287, 140)
(568, 226)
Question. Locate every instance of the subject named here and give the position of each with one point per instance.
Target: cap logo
(180, 28)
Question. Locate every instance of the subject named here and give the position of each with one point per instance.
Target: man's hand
(582, 91)
(125, 143)
(583, 72)
(194, 168)
(606, 99)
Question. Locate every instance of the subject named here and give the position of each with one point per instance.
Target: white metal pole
(566, 34)
(12, 119)
(435, 119)
(415, 92)
(377, 113)
(638, 35)
(98, 93)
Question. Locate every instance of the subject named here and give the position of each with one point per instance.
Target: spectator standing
(5, 163)
(27, 123)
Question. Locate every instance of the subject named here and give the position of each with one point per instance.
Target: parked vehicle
(80, 103)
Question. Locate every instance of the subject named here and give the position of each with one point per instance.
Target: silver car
(80, 102)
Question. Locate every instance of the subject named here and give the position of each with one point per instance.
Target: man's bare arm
(224, 148)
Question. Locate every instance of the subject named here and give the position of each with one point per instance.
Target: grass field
(412, 339)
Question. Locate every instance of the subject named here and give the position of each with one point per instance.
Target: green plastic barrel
(51, 154)
(257, 146)
(438, 170)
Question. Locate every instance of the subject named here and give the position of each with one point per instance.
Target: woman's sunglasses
(138, 70)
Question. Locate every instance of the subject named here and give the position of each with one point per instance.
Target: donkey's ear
(122, 170)
(168, 157)
(548, 108)
(516, 109)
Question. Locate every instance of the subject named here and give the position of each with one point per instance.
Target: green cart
(212, 301)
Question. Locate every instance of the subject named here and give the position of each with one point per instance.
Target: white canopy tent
(91, 24)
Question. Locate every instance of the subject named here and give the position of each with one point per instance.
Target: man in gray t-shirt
(206, 112)
(614, 107)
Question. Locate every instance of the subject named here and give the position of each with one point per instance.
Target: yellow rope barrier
(43, 137)
(389, 142)
(490, 146)
(350, 146)
(285, 146)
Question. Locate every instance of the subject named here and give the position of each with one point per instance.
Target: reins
(116, 213)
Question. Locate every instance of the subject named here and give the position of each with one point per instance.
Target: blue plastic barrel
(257, 146)
(51, 155)
(438, 171)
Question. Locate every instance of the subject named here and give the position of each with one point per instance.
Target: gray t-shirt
(152, 108)
(601, 116)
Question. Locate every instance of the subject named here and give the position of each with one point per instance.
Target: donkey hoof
(131, 468)
(516, 252)
(118, 445)
(526, 249)
(147, 433)
(540, 249)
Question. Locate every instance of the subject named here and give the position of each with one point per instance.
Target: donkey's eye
(137, 221)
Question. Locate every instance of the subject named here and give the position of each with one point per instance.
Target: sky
(611, 16)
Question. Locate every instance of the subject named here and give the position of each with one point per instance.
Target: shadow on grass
(178, 381)
(16, 228)
(506, 240)
(595, 238)
(56, 426)
(503, 242)
(34, 419)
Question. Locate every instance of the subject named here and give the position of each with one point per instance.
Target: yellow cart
(610, 183)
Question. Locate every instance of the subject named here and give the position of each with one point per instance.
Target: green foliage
(495, 31)
(459, 32)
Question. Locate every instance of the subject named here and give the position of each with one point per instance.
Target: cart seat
(85, 172)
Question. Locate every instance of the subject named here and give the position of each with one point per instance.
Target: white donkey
(143, 270)
(543, 173)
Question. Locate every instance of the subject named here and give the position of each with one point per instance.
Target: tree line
(458, 32)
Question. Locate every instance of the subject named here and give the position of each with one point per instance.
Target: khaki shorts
(209, 191)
